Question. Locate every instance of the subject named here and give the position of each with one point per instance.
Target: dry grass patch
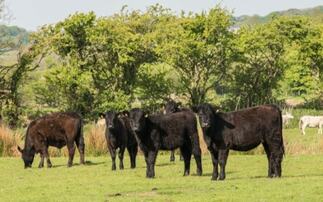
(9, 140)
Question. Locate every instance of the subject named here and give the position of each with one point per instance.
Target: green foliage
(155, 83)
(67, 89)
(259, 65)
(198, 46)
(134, 58)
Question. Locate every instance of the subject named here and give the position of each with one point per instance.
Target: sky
(31, 14)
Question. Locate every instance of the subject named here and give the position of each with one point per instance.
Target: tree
(199, 48)
(259, 65)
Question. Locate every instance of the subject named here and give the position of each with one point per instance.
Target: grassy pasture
(246, 176)
(246, 181)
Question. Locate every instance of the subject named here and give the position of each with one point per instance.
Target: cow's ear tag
(146, 115)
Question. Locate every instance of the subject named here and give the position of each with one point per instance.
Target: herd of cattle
(240, 130)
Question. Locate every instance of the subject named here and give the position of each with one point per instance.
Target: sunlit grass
(246, 181)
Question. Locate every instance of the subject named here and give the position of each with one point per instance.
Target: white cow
(286, 117)
(312, 122)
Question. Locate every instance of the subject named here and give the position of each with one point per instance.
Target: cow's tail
(81, 135)
(281, 130)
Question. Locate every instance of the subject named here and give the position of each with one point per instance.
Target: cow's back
(175, 128)
(54, 129)
(251, 126)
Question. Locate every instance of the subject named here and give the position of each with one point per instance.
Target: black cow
(243, 130)
(172, 107)
(167, 132)
(57, 130)
(119, 135)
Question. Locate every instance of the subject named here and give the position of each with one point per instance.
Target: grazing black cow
(167, 132)
(120, 135)
(57, 130)
(243, 130)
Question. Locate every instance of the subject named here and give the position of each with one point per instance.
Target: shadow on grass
(283, 176)
(210, 174)
(87, 163)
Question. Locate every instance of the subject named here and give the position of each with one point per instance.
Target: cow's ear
(228, 124)
(19, 149)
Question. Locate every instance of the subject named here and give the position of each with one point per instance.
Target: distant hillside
(315, 13)
(11, 37)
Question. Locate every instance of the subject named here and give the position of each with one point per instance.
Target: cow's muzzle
(204, 125)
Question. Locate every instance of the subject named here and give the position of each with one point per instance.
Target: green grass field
(246, 177)
(246, 181)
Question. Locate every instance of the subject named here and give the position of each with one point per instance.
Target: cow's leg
(215, 160)
(303, 128)
(320, 128)
(46, 155)
(270, 167)
(133, 153)
(71, 151)
(187, 153)
(112, 152)
(172, 155)
(276, 157)
(80, 147)
(197, 156)
(120, 155)
(276, 148)
(181, 156)
(223, 156)
(41, 163)
(150, 158)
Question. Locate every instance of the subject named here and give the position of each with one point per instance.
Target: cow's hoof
(221, 178)
(214, 178)
(49, 166)
(150, 176)
(186, 173)
(199, 172)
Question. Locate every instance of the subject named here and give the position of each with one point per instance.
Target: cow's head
(27, 156)
(125, 113)
(137, 119)
(110, 119)
(205, 113)
(171, 106)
